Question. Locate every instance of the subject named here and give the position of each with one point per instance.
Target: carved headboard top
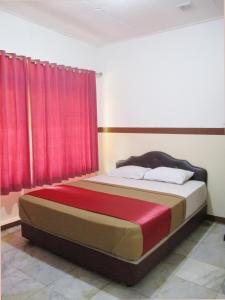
(156, 159)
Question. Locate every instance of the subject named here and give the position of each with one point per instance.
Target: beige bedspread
(115, 236)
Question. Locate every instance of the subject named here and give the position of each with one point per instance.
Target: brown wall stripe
(161, 130)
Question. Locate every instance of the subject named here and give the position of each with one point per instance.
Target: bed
(110, 245)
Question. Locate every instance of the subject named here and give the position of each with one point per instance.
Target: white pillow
(132, 172)
(171, 175)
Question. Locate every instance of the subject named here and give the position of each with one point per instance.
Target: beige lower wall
(206, 151)
(201, 150)
(9, 207)
(9, 204)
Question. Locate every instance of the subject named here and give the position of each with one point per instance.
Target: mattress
(194, 192)
(114, 236)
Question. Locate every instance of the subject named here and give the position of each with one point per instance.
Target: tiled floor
(195, 269)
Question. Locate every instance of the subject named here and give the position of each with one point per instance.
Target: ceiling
(101, 22)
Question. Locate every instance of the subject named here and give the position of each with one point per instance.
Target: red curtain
(64, 122)
(48, 122)
(14, 141)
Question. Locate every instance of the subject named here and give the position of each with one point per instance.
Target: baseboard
(215, 219)
(11, 224)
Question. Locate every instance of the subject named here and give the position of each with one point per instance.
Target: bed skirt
(128, 272)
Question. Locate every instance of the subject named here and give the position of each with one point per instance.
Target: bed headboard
(156, 159)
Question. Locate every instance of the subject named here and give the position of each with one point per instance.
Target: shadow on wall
(9, 207)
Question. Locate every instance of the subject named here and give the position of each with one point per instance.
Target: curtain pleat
(14, 139)
(64, 124)
(48, 123)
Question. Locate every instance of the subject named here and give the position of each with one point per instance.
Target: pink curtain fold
(64, 122)
(48, 119)
(14, 139)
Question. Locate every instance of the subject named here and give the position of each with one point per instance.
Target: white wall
(172, 79)
(169, 79)
(25, 38)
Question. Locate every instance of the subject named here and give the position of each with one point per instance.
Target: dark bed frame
(110, 266)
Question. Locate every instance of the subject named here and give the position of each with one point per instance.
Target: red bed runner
(154, 219)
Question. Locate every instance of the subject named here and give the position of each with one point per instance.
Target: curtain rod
(98, 74)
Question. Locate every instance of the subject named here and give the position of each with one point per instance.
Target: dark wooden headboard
(156, 159)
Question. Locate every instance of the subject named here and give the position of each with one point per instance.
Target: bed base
(114, 268)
